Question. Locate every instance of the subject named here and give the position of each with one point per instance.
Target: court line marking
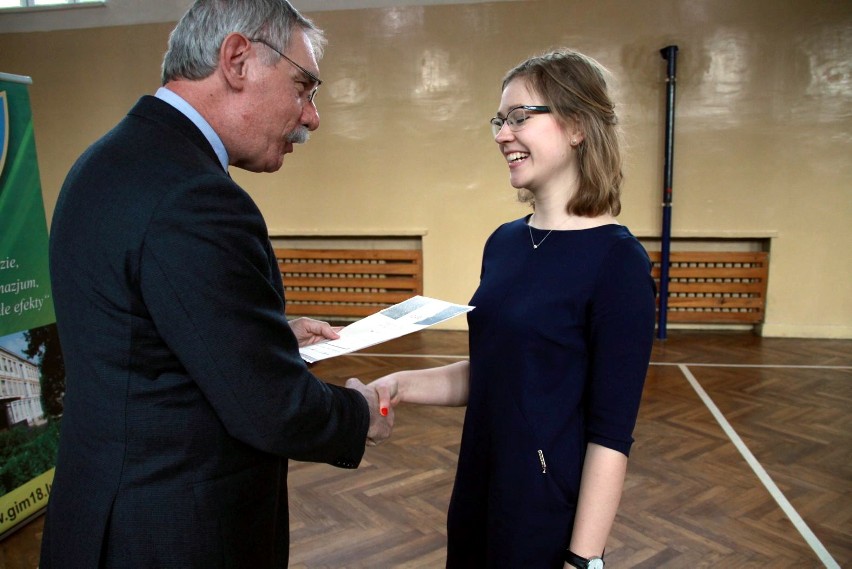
(761, 473)
(464, 357)
(772, 366)
(437, 356)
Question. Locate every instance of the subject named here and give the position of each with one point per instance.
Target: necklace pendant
(532, 241)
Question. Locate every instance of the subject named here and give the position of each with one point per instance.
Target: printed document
(412, 315)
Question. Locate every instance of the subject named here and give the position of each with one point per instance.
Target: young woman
(559, 341)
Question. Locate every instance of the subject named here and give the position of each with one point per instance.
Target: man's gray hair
(194, 44)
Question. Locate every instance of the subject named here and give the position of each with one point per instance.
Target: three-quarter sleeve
(621, 336)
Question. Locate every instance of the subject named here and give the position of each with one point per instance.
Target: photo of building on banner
(32, 375)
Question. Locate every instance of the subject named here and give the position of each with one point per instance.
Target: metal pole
(668, 53)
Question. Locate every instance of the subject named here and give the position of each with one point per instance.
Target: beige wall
(762, 148)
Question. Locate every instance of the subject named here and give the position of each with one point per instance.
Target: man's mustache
(299, 136)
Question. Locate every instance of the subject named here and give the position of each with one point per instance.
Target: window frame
(31, 6)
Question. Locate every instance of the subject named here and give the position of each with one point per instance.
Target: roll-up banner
(32, 376)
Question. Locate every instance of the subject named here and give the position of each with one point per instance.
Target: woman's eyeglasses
(516, 118)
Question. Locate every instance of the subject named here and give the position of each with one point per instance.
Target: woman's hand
(386, 389)
(381, 413)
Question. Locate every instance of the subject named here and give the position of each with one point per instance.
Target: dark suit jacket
(185, 394)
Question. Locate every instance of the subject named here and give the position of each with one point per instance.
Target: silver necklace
(534, 244)
(529, 227)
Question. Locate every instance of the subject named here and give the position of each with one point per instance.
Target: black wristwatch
(575, 560)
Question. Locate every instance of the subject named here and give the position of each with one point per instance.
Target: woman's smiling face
(539, 153)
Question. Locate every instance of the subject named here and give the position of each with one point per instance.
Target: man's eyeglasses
(313, 78)
(516, 118)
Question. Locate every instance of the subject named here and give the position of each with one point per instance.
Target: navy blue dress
(559, 347)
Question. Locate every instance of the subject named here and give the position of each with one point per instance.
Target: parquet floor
(743, 459)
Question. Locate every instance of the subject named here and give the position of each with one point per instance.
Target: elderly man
(186, 394)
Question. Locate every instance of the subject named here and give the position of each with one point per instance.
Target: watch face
(596, 563)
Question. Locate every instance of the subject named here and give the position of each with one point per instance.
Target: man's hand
(309, 331)
(381, 411)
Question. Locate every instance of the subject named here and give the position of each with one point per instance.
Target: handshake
(382, 396)
(446, 385)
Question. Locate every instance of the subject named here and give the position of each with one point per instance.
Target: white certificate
(412, 315)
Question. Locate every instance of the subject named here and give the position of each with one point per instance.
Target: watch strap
(575, 560)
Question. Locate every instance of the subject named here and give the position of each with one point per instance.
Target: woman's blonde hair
(573, 86)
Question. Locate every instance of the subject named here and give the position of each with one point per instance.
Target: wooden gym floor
(743, 458)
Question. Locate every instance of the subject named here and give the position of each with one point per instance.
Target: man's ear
(233, 54)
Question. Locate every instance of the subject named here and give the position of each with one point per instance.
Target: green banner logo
(4, 130)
